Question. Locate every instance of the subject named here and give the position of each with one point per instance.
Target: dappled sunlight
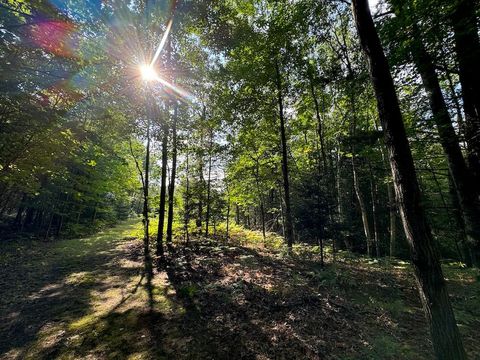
(258, 299)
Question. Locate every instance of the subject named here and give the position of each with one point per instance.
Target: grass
(86, 299)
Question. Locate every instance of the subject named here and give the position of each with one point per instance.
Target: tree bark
(461, 175)
(260, 196)
(373, 195)
(237, 214)
(438, 310)
(228, 212)
(187, 200)
(144, 176)
(356, 182)
(392, 206)
(319, 119)
(209, 181)
(392, 210)
(171, 188)
(286, 183)
(467, 47)
(363, 208)
(163, 190)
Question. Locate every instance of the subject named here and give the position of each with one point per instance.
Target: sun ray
(178, 91)
(162, 42)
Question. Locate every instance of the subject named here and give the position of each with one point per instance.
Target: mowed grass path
(87, 299)
(49, 290)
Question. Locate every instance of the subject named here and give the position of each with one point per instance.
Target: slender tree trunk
(201, 179)
(461, 176)
(320, 243)
(467, 47)
(356, 182)
(460, 236)
(456, 102)
(363, 208)
(49, 226)
(449, 215)
(171, 189)
(342, 216)
(237, 215)
(260, 196)
(392, 211)
(146, 221)
(319, 119)
(228, 213)
(286, 183)
(373, 195)
(282, 212)
(163, 190)
(94, 217)
(145, 177)
(187, 200)
(446, 339)
(209, 183)
(392, 207)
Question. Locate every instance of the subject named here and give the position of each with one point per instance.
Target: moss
(81, 278)
(83, 322)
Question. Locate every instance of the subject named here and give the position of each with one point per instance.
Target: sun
(148, 72)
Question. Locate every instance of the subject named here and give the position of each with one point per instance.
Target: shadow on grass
(48, 285)
(88, 298)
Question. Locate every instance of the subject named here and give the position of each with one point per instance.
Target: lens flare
(148, 73)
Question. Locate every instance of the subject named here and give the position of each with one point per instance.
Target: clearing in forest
(86, 299)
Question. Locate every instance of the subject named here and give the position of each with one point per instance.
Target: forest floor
(86, 299)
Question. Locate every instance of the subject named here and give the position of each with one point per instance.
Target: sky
(373, 5)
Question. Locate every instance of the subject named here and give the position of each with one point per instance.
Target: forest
(240, 179)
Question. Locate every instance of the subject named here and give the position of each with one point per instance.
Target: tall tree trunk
(392, 215)
(163, 189)
(356, 182)
(392, 206)
(342, 217)
(49, 226)
(145, 178)
(146, 220)
(425, 259)
(286, 183)
(94, 217)
(319, 118)
(228, 211)
(467, 47)
(363, 208)
(171, 189)
(201, 178)
(460, 236)
(260, 197)
(209, 183)
(461, 176)
(373, 195)
(237, 214)
(282, 210)
(187, 200)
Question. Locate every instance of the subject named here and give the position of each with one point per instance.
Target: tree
(428, 272)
